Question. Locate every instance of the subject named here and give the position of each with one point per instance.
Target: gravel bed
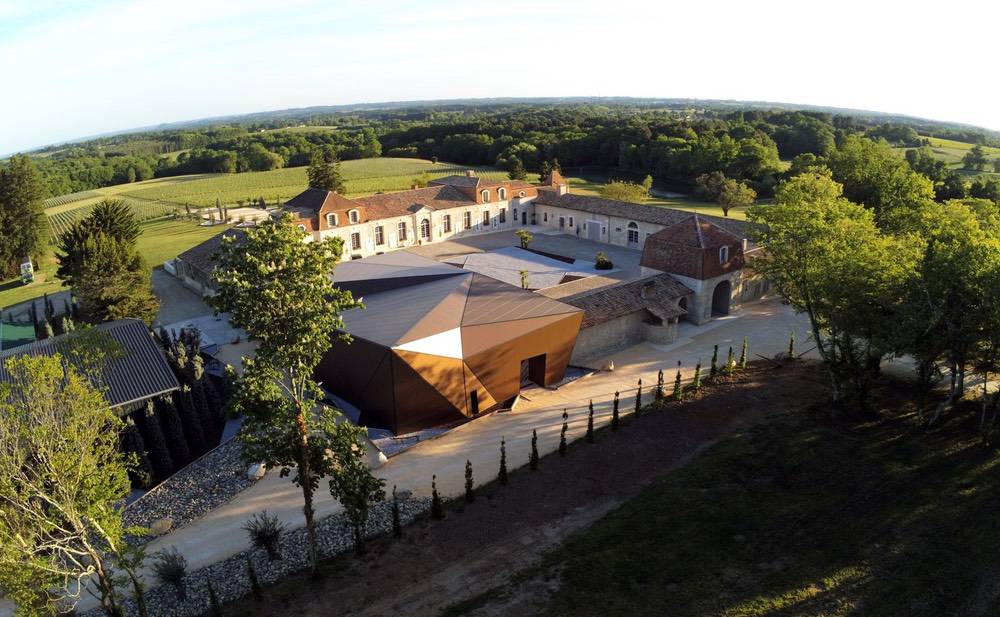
(202, 486)
(229, 577)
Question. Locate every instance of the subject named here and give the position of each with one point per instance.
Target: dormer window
(302, 227)
(501, 194)
(331, 220)
(724, 255)
(485, 194)
(520, 194)
(353, 216)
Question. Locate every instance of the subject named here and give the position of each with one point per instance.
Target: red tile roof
(697, 232)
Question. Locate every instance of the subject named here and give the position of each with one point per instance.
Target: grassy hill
(951, 152)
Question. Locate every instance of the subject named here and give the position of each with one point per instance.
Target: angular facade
(436, 344)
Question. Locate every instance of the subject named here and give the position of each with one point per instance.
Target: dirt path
(463, 565)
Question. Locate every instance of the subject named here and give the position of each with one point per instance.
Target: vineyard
(160, 197)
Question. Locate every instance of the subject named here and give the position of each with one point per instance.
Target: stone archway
(721, 297)
(683, 304)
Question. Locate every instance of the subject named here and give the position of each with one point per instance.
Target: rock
(256, 471)
(161, 526)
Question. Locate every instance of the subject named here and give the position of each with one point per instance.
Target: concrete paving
(177, 302)
(766, 324)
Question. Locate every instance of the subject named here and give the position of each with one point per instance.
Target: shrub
(470, 493)
(602, 262)
(638, 399)
(265, 532)
(791, 345)
(730, 362)
(590, 422)
(658, 393)
(170, 568)
(562, 434)
(678, 391)
(696, 382)
(714, 370)
(255, 588)
(615, 421)
(743, 354)
(152, 432)
(533, 458)
(173, 429)
(437, 506)
(524, 236)
(502, 476)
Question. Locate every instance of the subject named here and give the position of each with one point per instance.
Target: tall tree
(975, 159)
(279, 289)
(62, 477)
(324, 173)
(22, 220)
(111, 217)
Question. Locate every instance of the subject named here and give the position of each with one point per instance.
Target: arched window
(724, 255)
(353, 216)
(425, 229)
(633, 233)
(331, 220)
(501, 193)
(485, 195)
(402, 231)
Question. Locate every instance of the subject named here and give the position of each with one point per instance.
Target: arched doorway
(683, 305)
(720, 298)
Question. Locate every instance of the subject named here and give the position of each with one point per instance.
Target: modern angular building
(436, 344)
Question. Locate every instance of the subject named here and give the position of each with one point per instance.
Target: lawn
(161, 240)
(582, 186)
(805, 515)
(951, 152)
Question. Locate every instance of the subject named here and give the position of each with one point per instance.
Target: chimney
(562, 189)
(470, 173)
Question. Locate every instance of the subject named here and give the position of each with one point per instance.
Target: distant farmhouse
(460, 316)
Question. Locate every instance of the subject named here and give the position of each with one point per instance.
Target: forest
(674, 145)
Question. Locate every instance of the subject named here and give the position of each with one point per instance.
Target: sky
(77, 68)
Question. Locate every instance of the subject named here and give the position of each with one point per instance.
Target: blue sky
(81, 68)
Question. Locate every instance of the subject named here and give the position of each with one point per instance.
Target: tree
(658, 393)
(22, 218)
(623, 191)
(714, 367)
(975, 159)
(524, 278)
(133, 445)
(351, 480)
(324, 173)
(590, 422)
(726, 192)
(544, 171)
(159, 453)
(533, 457)
(113, 218)
(647, 184)
(638, 399)
(524, 236)
(678, 391)
(515, 169)
(562, 434)
(59, 527)
(437, 506)
(279, 289)
(743, 353)
(173, 429)
(615, 420)
(194, 432)
(502, 475)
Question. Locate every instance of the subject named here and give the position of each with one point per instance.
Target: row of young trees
(859, 244)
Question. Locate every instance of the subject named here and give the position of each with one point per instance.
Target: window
(425, 229)
(501, 194)
(633, 233)
(447, 223)
(379, 235)
(485, 195)
(562, 222)
(545, 217)
(486, 218)
(724, 255)
(353, 216)
(355, 241)
(331, 220)
(503, 215)
(520, 194)
(515, 215)
(468, 220)
(402, 231)
(571, 221)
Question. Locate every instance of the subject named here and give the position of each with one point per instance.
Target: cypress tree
(152, 433)
(696, 382)
(714, 370)
(47, 328)
(638, 399)
(614, 414)
(533, 458)
(590, 422)
(791, 345)
(216, 408)
(678, 391)
(397, 524)
(470, 493)
(743, 354)
(255, 588)
(562, 434)
(730, 362)
(502, 476)
(132, 443)
(658, 394)
(437, 506)
(190, 420)
(213, 601)
(173, 430)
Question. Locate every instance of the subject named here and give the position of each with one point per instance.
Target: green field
(582, 186)
(951, 152)
(161, 240)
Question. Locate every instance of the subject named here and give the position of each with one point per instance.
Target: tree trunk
(305, 480)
